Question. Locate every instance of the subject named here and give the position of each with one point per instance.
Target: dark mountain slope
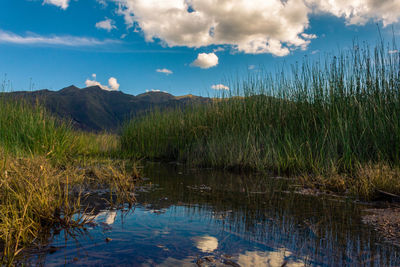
(94, 109)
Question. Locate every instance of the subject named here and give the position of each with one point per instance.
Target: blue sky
(194, 44)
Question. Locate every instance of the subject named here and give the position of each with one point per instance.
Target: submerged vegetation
(334, 122)
(46, 172)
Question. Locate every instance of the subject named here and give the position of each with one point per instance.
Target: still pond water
(207, 218)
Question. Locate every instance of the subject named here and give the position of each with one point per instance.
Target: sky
(178, 46)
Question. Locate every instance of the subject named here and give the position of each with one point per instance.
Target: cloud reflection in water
(206, 243)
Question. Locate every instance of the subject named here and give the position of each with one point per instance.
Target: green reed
(324, 116)
(29, 129)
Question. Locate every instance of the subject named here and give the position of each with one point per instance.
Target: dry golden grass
(36, 196)
(367, 182)
(375, 177)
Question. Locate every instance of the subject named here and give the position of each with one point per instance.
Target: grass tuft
(30, 130)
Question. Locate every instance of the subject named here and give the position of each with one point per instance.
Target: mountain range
(95, 109)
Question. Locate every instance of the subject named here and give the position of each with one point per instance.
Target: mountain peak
(94, 87)
(70, 88)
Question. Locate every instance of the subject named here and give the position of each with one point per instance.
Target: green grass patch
(26, 129)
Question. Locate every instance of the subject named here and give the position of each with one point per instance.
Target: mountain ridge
(94, 109)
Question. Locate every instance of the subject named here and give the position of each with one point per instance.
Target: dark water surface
(206, 218)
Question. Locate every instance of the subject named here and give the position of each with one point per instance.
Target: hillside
(94, 109)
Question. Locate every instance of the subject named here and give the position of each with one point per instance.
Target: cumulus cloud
(257, 26)
(8, 37)
(60, 3)
(107, 24)
(360, 12)
(219, 87)
(205, 61)
(165, 71)
(113, 84)
(89, 83)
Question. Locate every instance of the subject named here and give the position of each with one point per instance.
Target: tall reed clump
(27, 129)
(321, 118)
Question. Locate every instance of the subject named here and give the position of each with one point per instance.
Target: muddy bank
(386, 222)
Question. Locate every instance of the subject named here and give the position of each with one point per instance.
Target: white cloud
(308, 36)
(113, 84)
(107, 24)
(89, 83)
(103, 3)
(155, 91)
(165, 71)
(60, 3)
(218, 49)
(359, 12)
(8, 37)
(220, 87)
(206, 61)
(257, 26)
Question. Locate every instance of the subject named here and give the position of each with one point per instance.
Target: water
(207, 218)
